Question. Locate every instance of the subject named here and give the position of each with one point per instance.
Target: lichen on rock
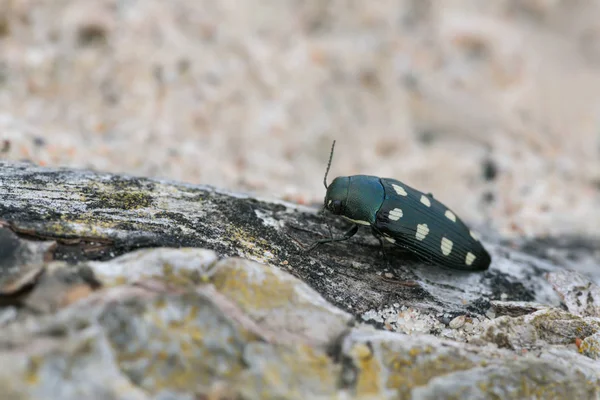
(118, 312)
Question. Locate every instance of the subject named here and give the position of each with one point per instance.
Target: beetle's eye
(336, 207)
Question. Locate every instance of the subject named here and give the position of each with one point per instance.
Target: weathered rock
(539, 329)
(60, 285)
(515, 308)
(197, 323)
(579, 294)
(281, 302)
(161, 337)
(20, 265)
(180, 267)
(95, 216)
(162, 343)
(26, 281)
(425, 367)
(15, 252)
(590, 346)
(520, 379)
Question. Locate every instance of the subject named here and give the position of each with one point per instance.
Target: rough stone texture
(541, 328)
(514, 308)
(83, 315)
(590, 346)
(425, 367)
(165, 338)
(97, 216)
(580, 296)
(181, 266)
(295, 312)
(276, 298)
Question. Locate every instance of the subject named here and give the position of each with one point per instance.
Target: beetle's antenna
(328, 165)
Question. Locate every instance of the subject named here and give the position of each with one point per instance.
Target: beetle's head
(337, 194)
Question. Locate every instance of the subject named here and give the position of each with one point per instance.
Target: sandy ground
(493, 106)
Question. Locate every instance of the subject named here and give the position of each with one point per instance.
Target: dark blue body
(408, 218)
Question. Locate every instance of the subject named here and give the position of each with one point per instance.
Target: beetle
(405, 217)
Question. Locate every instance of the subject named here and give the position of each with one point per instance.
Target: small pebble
(457, 322)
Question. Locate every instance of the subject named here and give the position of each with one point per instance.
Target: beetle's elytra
(405, 217)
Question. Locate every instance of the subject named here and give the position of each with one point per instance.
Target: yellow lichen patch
(253, 248)
(160, 303)
(133, 356)
(80, 226)
(179, 277)
(124, 200)
(553, 315)
(590, 346)
(564, 325)
(31, 373)
(538, 382)
(369, 370)
(292, 369)
(177, 355)
(414, 352)
(119, 281)
(312, 362)
(418, 366)
(252, 285)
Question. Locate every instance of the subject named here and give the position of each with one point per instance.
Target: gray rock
(203, 322)
(579, 294)
(515, 308)
(99, 216)
(590, 346)
(539, 329)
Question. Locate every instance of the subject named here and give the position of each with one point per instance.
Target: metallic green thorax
(357, 197)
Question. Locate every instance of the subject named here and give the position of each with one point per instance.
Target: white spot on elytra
(450, 215)
(329, 203)
(470, 258)
(425, 200)
(474, 235)
(395, 214)
(446, 246)
(422, 231)
(390, 239)
(399, 189)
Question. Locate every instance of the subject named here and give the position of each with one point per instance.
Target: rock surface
(240, 310)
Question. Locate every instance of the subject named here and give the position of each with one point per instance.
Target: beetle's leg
(379, 237)
(299, 228)
(382, 247)
(351, 232)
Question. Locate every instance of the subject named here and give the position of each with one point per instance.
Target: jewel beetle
(405, 217)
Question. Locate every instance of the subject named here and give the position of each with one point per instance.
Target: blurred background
(493, 106)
